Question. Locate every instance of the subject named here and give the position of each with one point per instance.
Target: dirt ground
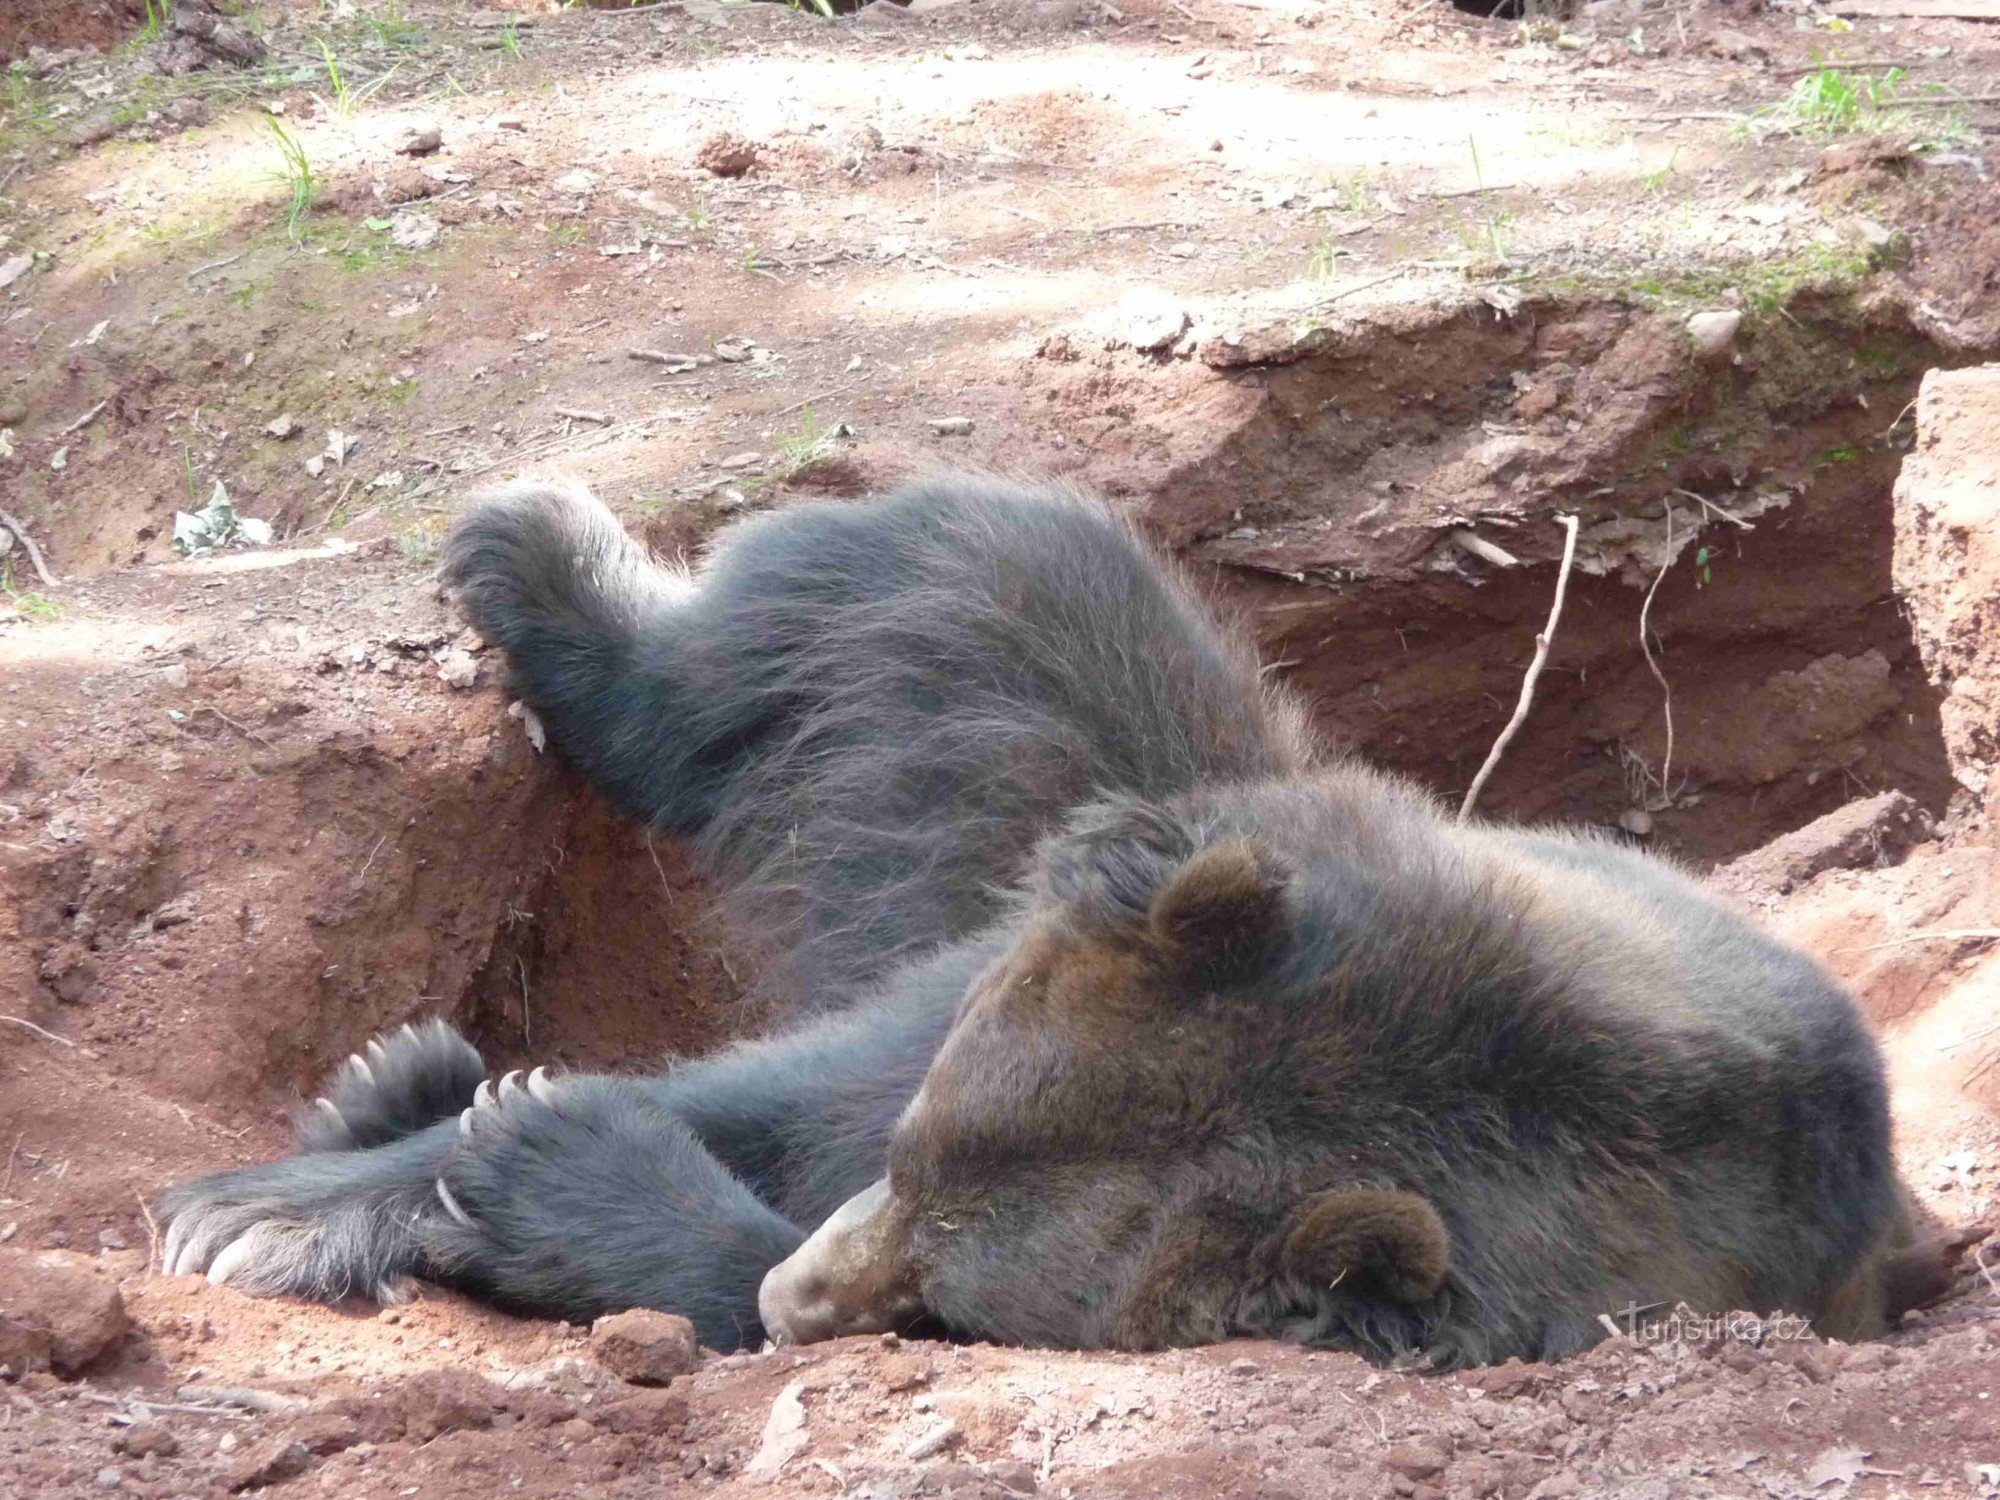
(1347, 302)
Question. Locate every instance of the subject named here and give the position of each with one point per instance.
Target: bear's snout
(853, 1275)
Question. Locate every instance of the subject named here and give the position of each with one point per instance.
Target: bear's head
(1122, 1141)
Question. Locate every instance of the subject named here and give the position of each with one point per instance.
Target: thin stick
(152, 1233)
(1709, 505)
(1542, 643)
(1943, 935)
(1666, 692)
(243, 729)
(168, 1406)
(215, 265)
(527, 1020)
(34, 552)
(86, 419)
(60, 1041)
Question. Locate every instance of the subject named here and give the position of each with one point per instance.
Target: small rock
(1415, 1461)
(726, 154)
(784, 1436)
(951, 426)
(410, 230)
(1153, 329)
(1244, 1367)
(146, 1440)
(57, 1312)
(1713, 332)
(108, 1478)
(269, 1463)
(459, 668)
(578, 184)
(283, 427)
(737, 461)
(440, 1401)
(1636, 821)
(14, 268)
(175, 676)
(931, 1443)
(644, 1347)
(421, 139)
(316, 465)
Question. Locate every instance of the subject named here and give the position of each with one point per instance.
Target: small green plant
(1703, 556)
(696, 213)
(348, 100)
(392, 28)
(419, 543)
(750, 262)
(1350, 192)
(1656, 182)
(568, 234)
(510, 40)
(1326, 255)
(30, 605)
(294, 174)
(1483, 238)
(156, 22)
(1828, 102)
(808, 444)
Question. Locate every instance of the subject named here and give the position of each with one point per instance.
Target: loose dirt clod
(644, 1347)
(726, 154)
(57, 1312)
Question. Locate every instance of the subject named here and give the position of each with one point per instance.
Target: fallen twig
(1542, 643)
(583, 416)
(215, 265)
(1730, 516)
(1941, 935)
(148, 1404)
(34, 552)
(243, 729)
(1666, 692)
(86, 419)
(152, 1233)
(247, 1397)
(60, 1041)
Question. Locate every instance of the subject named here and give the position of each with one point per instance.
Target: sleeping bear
(1120, 1014)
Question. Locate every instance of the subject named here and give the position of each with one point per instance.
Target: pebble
(1714, 332)
(951, 426)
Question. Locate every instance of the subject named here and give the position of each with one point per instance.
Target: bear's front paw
(401, 1084)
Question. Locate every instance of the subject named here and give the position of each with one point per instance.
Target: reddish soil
(245, 822)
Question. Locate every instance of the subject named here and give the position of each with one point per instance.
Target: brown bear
(1122, 1014)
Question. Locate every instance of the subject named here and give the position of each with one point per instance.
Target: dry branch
(1542, 643)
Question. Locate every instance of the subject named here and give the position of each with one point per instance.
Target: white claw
(482, 1097)
(510, 1086)
(331, 1111)
(170, 1257)
(360, 1065)
(390, 1293)
(377, 1053)
(408, 1031)
(451, 1205)
(234, 1257)
(540, 1086)
(465, 1122)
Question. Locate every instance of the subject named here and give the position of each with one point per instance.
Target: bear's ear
(1138, 873)
(1222, 905)
(1377, 1240)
